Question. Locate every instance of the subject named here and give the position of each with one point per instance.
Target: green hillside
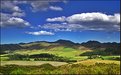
(60, 57)
(62, 48)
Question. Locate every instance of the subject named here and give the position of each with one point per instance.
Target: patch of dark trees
(40, 57)
(107, 51)
(95, 45)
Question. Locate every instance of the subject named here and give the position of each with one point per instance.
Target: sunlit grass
(34, 63)
(93, 61)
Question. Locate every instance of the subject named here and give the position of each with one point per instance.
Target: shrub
(96, 69)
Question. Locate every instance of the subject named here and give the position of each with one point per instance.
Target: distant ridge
(63, 41)
(93, 45)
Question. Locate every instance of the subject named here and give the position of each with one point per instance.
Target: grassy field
(59, 51)
(110, 57)
(67, 52)
(76, 68)
(70, 53)
(82, 66)
(93, 61)
(30, 63)
(54, 63)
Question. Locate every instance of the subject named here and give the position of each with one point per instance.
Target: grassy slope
(110, 57)
(60, 51)
(93, 61)
(35, 63)
(54, 63)
(79, 69)
(41, 44)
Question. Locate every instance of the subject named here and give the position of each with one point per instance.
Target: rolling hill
(113, 48)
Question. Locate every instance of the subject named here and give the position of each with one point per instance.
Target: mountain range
(38, 45)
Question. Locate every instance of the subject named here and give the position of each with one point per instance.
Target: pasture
(32, 63)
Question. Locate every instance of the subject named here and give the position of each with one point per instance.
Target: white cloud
(63, 27)
(9, 6)
(4, 16)
(15, 12)
(43, 5)
(12, 8)
(7, 20)
(39, 5)
(18, 14)
(60, 19)
(85, 21)
(87, 17)
(16, 8)
(10, 15)
(94, 16)
(17, 21)
(56, 8)
(12, 5)
(40, 33)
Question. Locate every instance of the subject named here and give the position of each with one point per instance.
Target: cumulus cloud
(45, 5)
(88, 17)
(11, 14)
(41, 5)
(56, 8)
(63, 27)
(36, 5)
(7, 20)
(86, 21)
(9, 6)
(40, 33)
(17, 21)
(60, 19)
(18, 14)
(91, 17)
(12, 8)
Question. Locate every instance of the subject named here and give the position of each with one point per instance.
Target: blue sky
(78, 21)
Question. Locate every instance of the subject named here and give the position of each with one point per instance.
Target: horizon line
(57, 40)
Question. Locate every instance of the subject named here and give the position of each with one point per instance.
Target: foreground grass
(97, 68)
(93, 61)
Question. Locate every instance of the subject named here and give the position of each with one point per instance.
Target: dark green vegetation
(76, 58)
(98, 69)
(107, 51)
(39, 57)
(103, 48)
